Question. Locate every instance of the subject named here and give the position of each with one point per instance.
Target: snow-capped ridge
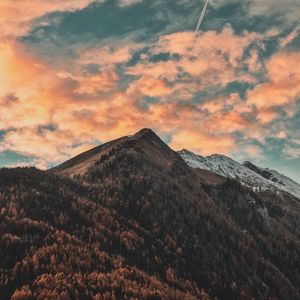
(247, 174)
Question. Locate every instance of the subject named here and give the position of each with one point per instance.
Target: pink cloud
(283, 85)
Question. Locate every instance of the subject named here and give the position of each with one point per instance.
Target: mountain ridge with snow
(248, 174)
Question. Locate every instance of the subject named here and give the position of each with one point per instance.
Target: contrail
(201, 18)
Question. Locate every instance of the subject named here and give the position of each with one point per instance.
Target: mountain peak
(146, 132)
(184, 150)
(144, 140)
(249, 164)
(148, 135)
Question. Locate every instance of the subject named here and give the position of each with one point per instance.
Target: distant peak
(248, 163)
(253, 167)
(186, 151)
(221, 156)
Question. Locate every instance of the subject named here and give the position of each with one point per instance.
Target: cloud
(29, 85)
(283, 85)
(129, 2)
(291, 151)
(201, 142)
(284, 10)
(214, 59)
(108, 53)
(37, 143)
(43, 146)
(102, 82)
(16, 16)
(266, 116)
(286, 40)
(149, 86)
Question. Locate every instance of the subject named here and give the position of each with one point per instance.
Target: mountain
(153, 146)
(132, 220)
(247, 173)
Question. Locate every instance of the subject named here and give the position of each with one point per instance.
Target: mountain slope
(56, 242)
(133, 220)
(80, 163)
(247, 173)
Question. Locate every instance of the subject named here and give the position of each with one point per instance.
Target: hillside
(131, 220)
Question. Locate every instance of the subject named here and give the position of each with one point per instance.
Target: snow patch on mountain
(258, 179)
(281, 181)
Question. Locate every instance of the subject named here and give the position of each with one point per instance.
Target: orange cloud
(230, 102)
(212, 60)
(267, 115)
(201, 142)
(108, 53)
(31, 142)
(43, 144)
(164, 70)
(283, 86)
(103, 82)
(226, 42)
(32, 85)
(149, 86)
(229, 122)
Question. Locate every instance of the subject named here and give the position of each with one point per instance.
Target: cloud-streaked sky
(76, 73)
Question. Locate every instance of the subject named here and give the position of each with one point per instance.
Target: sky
(78, 73)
